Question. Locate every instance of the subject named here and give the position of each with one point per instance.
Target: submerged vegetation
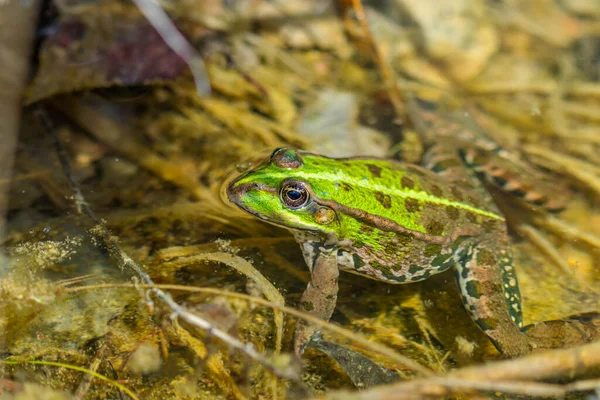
(128, 274)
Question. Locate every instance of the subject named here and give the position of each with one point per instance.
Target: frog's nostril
(233, 192)
(237, 191)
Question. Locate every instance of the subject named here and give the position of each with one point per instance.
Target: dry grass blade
(585, 172)
(170, 256)
(244, 267)
(568, 231)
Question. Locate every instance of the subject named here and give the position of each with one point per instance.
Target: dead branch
(516, 376)
(127, 264)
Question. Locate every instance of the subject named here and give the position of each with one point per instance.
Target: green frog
(399, 223)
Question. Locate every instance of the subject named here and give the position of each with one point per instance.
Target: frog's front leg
(490, 294)
(320, 296)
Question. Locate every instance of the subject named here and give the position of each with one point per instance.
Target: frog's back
(407, 195)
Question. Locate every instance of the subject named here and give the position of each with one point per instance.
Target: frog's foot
(320, 296)
(568, 332)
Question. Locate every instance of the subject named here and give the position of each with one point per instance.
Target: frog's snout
(234, 192)
(228, 191)
(237, 191)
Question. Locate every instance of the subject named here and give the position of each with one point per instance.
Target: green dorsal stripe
(374, 186)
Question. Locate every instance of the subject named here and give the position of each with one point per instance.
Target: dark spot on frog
(344, 186)
(518, 192)
(473, 289)
(540, 202)
(499, 181)
(384, 199)
(413, 269)
(385, 270)
(487, 324)
(485, 257)
(458, 242)
(407, 183)
(464, 299)
(421, 277)
(330, 297)
(452, 212)
(307, 306)
(403, 239)
(358, 262)
(366, 230)
(411, 205)
(464, 274)
(435, 228)
(374, 170)
(436, 191)
(441, 259)
(432, 250)
(395, 247)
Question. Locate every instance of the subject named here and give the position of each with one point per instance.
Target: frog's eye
(294, 195)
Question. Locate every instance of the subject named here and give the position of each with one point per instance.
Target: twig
(510, 376)
(566, 230)
(361, 340)
(583, 171)
(101, 233)
(159, 19)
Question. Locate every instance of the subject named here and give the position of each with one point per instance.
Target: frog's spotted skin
(392, 222)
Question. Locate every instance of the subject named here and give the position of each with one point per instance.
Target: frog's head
(279, 191)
